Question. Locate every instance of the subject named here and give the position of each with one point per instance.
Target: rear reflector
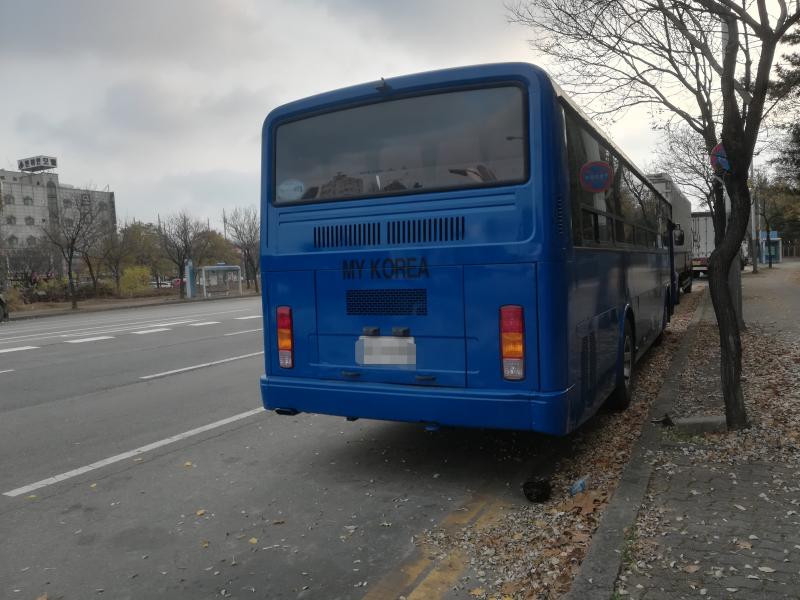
(512, 342)
(285, 342)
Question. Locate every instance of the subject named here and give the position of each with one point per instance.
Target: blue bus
(460, 247)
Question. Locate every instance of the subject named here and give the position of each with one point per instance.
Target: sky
(163, 101)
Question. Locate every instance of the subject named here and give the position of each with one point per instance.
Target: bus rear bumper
(459, 407)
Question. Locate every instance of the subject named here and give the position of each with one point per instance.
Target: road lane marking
(246, 318)
(146, 331)
(173, 323)
(201, 366)
(126, 455)
(18, 348)
(245, 331)
(204, 323)
(91, 339)
(98, 325)
(7, 371)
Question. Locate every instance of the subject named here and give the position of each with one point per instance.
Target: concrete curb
(599, 570)
(701, 425)
(86, 311)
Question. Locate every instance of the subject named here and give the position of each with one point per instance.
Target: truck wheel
(620, 398)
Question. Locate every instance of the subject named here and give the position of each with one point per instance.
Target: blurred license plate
(385, 350)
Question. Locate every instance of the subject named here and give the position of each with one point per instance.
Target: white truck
(702, 242)
(682, 216)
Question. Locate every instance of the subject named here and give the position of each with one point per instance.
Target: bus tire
(620, 398)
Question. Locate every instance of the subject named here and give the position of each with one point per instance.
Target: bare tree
(706, 63)
(115, 249)
(182, 238)
(244, 227)
(73, 229)
(683, 155)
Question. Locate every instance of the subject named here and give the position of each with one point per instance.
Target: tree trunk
(91, 274)
(719, 267)
(71, 280)
(254, 271)
(117, 281)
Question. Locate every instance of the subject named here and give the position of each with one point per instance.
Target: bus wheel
(620, 398)
(688, 288)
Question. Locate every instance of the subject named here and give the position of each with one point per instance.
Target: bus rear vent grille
(388, 302)
(350, 235)
(415, 231)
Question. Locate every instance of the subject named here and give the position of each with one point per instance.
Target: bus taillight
(512, 342)
(285, 354)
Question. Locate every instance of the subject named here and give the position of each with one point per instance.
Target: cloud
(203, 194)
(191, 32)
(147, 95)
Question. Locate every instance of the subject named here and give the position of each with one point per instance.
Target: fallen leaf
(766, 569)
(188, 463)
(691, 568)
(200, 512)
(279, 522)
(253, 540)
(42, 597)
(477, 592)
(744, 545)
(204, 543)
(94, 485)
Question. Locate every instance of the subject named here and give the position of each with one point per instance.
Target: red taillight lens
(285, 337)
(512, 342)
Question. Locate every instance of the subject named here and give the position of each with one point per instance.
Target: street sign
(719, 158)
(596, 176)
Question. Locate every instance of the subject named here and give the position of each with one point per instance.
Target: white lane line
(91, 339)
(95, 325)
(246, 318)
(173, 323)
(146, 331)
(126, 455)
(200, 366)
(245, 331)
(204, 323)
(17, 349)
(7, 371)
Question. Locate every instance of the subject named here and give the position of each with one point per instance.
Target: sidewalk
(721, 516)
(35, 311)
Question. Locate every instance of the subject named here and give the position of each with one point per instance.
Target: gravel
(534, 551)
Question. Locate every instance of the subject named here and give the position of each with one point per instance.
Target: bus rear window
(462, 139)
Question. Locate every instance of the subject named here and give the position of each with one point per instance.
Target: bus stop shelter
(220, 280)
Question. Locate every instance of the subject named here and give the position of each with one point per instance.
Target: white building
(27, 201)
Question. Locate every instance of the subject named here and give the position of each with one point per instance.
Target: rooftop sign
(37, 163)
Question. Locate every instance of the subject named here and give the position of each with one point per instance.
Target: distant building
(342, 186)
(28, 200)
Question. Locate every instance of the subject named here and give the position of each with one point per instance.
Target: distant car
(160, 284)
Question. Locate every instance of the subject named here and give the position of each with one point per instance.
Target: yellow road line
(422, 577)
(440, 579)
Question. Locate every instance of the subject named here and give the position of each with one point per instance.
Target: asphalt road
(136, 463)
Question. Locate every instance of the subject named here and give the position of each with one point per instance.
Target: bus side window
(576, 157)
